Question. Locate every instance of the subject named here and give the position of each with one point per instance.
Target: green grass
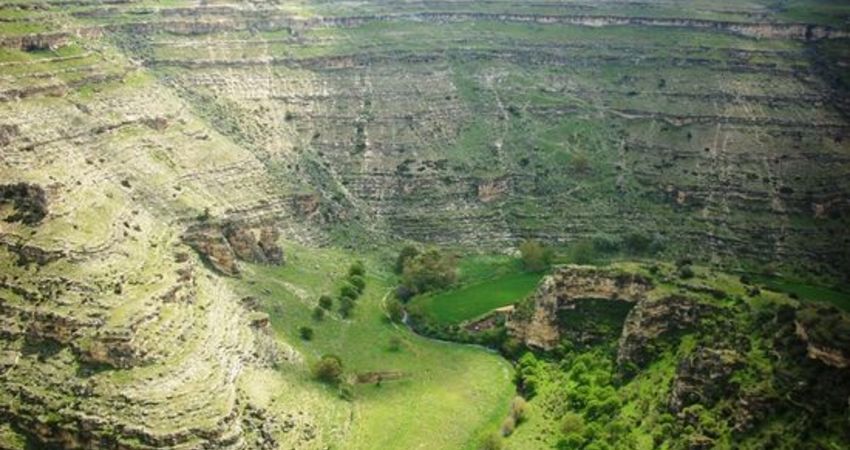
(805, 291)
(451, 394)
(476, 299)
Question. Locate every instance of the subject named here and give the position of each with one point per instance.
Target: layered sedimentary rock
(442, 123)
(537, 322)
(748, 357)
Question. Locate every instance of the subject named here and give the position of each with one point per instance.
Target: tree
(519, 410)
(358, 282)
(572, 430)
(328, 369)
(407, 253)
(348, 290)
(535, 257)
(508, 426)
(491, 442)
(430, 271)
(318, 313)
(326, 302)
(395, 310)
(306, 333)
(357, 268)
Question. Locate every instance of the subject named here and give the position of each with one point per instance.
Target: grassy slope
(452, 393)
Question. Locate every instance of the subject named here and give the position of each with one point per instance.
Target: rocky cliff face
(222, 245)
(536, 321)
(724, 364)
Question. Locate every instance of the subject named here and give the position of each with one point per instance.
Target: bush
(404, 293)
(572, 424)
(357, 269)
(508, 426)
(358, 282)
(606, 243)
(491, 442)
(686, 272)
(318, 313)
(395, 311)
(407, 253)
(326, 302)
(306, 333)
(519, 410)
(348, 290)
(535, 257)
(328, 369)
(637, 243)
(582, 253)
(346, 306)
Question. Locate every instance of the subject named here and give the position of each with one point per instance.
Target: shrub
(686, 272)
(328, 369)
(535, 257)
(606, 243)
(407, 253)
(358, 282)
(357, 268)
(636, 243)
(395, 311)
(582, 253)
(346, 391)
(348, 290)
(508, 426)
(318, 313)
(326, 302)
(404, 293)
(519, 410)
(491, 442)
(306, 333)
(572, 424)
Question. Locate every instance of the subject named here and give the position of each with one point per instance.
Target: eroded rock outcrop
(826, 334)
(536, 320)
(223, 245)
(704, 378)
(649, 320)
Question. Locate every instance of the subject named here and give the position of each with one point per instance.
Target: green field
(450, 394)
(806, 291)
(476, 299)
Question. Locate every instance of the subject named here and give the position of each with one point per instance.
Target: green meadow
(447, 395)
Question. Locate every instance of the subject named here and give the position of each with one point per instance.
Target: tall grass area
(448, 396)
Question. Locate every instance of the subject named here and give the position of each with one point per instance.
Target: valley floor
(448, 395)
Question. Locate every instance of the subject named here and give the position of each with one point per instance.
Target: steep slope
(715, 130)
(113, 333)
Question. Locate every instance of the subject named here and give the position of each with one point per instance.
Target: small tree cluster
(354, 285)
(535, 256)
(328, 369)
(431, 270)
